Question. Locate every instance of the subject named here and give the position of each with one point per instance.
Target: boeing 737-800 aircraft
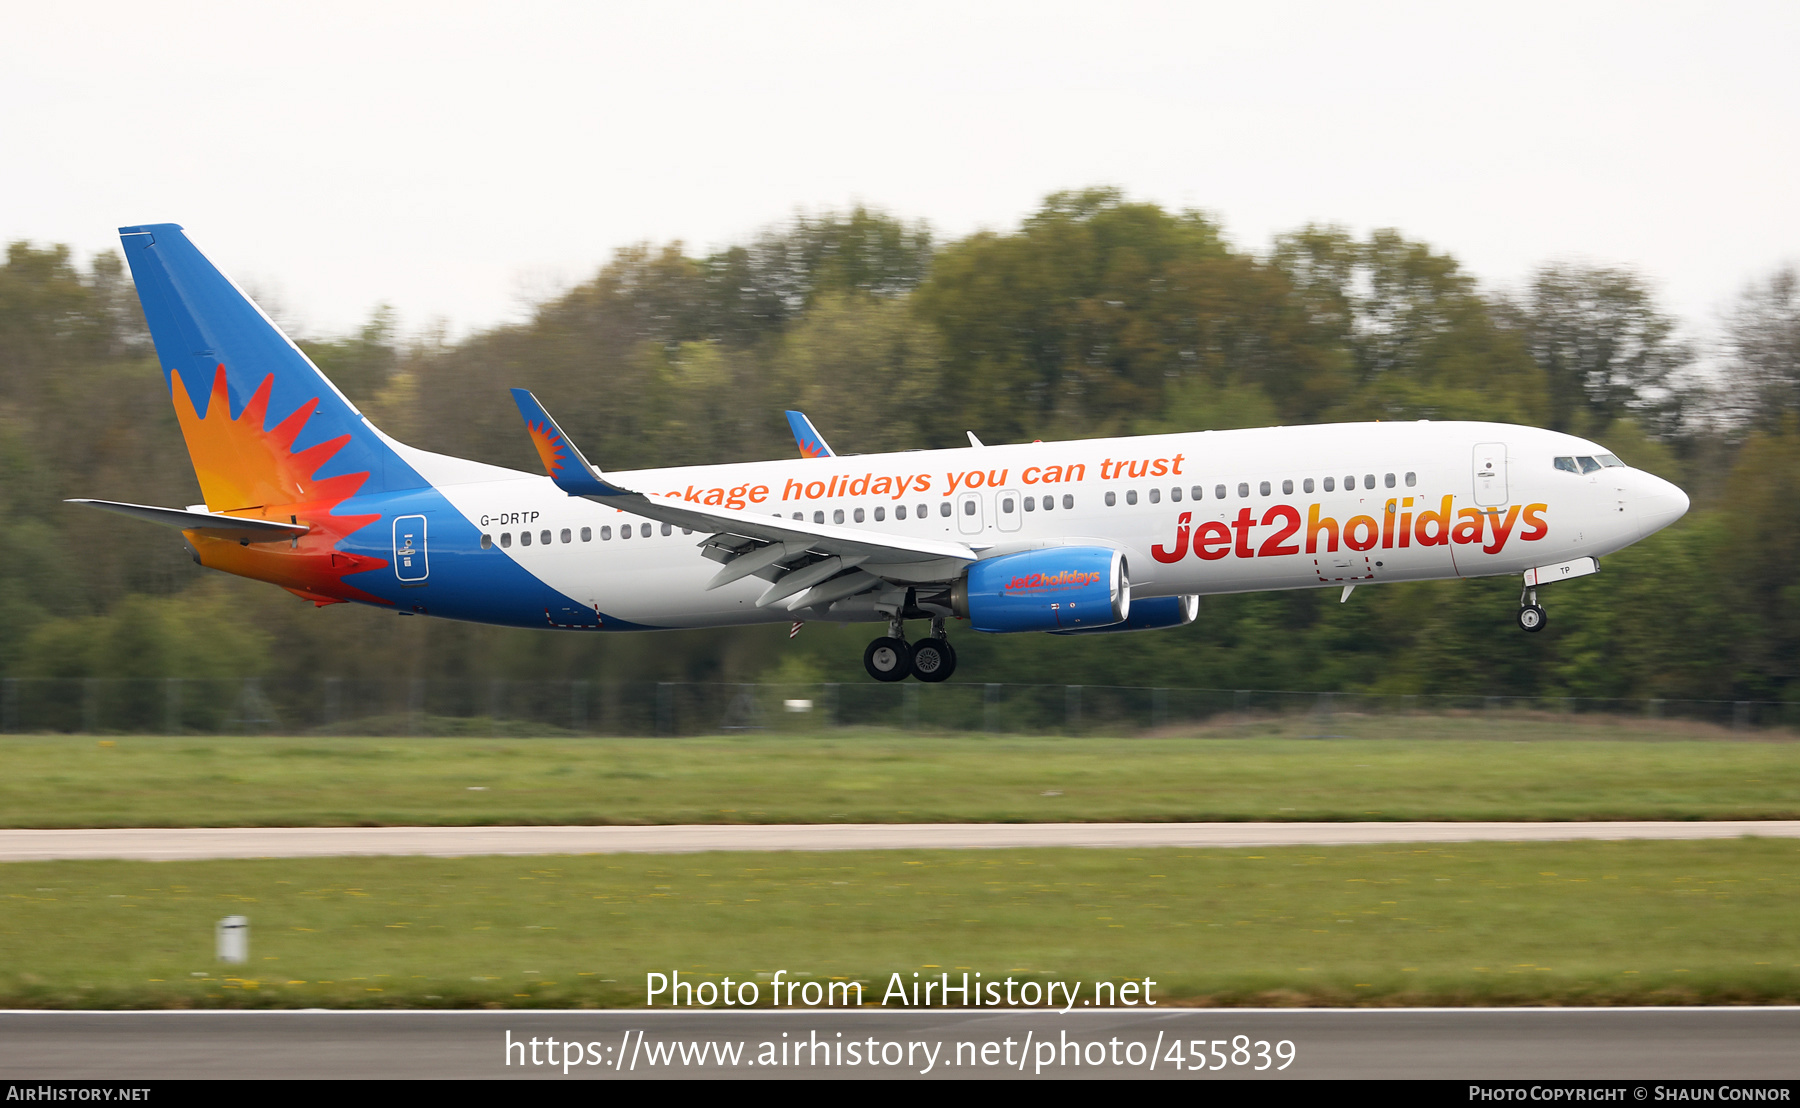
(1094, 535)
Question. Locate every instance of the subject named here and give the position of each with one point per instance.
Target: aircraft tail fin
(263, 426)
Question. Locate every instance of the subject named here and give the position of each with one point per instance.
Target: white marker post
(232, 938)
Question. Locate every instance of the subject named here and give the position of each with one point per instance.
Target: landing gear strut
(930, 659)
(1531, 615)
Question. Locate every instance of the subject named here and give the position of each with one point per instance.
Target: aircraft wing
(806, 561)
(240, 528)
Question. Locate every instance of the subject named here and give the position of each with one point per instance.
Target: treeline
(1095, 316)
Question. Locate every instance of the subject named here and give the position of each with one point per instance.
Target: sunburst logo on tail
(549, 445)
(245, 469)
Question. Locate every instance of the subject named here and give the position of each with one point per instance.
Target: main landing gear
(891, 658)
(1531, 615)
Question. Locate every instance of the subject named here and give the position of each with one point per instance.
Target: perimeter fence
(176, 706)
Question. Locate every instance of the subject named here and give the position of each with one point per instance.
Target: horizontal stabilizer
(807, 437)
(565, 464)
(236, 528)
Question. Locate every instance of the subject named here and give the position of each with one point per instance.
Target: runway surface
(1520, 1045)
(170, 844)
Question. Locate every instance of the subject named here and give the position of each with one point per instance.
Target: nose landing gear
(1531, 614)
(930, 659)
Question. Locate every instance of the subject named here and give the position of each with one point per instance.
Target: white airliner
(1087, 536)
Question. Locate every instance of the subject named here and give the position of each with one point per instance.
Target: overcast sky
(456, 160)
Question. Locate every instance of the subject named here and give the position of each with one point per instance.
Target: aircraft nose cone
(1661, 504)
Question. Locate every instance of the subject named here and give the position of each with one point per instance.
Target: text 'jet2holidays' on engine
(1088, 536)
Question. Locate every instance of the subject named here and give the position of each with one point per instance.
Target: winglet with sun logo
(563, 462)
(807, 437)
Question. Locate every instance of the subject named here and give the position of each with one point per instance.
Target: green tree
(1763, 346)
(1082, 320)
(1607, 352)
(1422, 341)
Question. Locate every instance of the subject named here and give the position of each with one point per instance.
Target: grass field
(1375, 768)
(1600, 923)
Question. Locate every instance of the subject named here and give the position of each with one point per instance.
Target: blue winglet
(807, 437)
(572, 472)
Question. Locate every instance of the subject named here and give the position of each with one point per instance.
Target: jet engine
(1060, 588)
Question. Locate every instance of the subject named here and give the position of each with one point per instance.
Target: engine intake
(1062, 588)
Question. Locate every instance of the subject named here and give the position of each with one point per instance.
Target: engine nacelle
(1149, 615)
(1059, 588)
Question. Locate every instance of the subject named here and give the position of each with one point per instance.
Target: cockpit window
(1611, 461)
(1589, 465)
(1567, 465)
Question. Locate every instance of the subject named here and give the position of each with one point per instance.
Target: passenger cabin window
(1368, 480)
(1049, 503)
(1156, 496)
(1131, 496)
(837, 516)
(587, 534)
(969, 507)
(1388, 480)
(1068, 500)
(1263, 488)
(524, 538)
(1412, 479)
(1031, 503)
(1589, 465)
(668, 529)
(924, 510)
(1330, 484)
(1243, 488)
(567, 536)
(900, 511)
(625, 531)
(944, 508)
(1196, 491)
(544, 537)
(1307, 485)
(1006, 505)
(1287, 488)
(643, 530)
(1112, 498)
(881, 514)
(606, 534)
(505, 539)
(858, 516)
(1175, 495)
(818, 517)
(487, 542)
